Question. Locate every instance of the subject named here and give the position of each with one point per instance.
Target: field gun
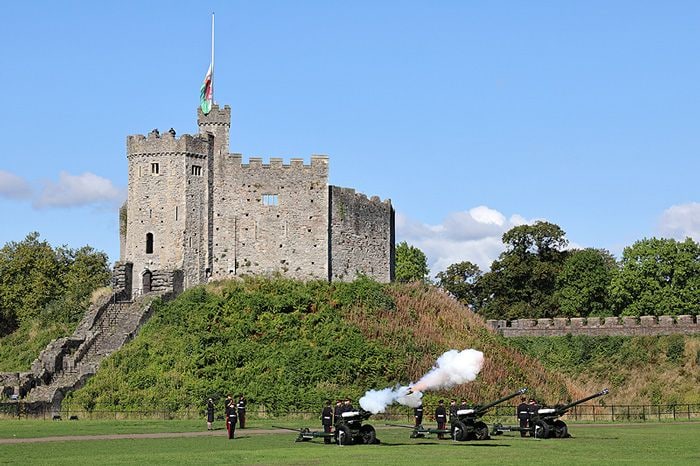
(349, 428)
(544, 421)
(466, 425)
(306, 434)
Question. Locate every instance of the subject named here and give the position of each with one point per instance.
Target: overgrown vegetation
(638, 369)
(288, 345)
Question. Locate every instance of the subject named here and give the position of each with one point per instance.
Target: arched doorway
(146, 281)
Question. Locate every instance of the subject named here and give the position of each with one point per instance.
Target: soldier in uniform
(418, 414)
(441, 417)
(338, 410)
(453, 410)
(241, 411)
(464, 404)
(210, 413)
(327, 420)
(227, 403)
(348, 405)
(523, 414)
(231, 419)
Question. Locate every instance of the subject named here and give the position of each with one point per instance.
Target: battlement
(217, 116)
(350, 192)
(157, 143)
(592, 326)
(317, 161)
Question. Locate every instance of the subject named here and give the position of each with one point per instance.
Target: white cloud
(473, 235)
(13, 186)
(78, 190)
(681, 221)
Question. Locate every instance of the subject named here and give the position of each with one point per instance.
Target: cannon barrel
(568, 406)
(483, 408)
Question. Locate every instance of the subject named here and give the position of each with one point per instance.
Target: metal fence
(503, 414)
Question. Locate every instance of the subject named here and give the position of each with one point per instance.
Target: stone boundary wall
(595, 326)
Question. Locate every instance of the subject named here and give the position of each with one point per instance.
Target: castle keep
(196, 212)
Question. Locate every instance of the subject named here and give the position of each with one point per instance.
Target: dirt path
(72, 438)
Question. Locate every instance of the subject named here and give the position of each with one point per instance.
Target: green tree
(583, 283)
(522, 280)
(411, 264)
(461, 279)
(30, 272)
(658, 277)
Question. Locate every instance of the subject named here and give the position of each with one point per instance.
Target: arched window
(149, 243)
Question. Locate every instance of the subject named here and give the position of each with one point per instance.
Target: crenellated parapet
(156, 143)
(317, 162)
(597, 326)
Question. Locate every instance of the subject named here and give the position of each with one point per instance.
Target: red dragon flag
(206, 93)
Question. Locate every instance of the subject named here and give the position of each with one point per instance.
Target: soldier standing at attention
(210, 413)
(241, 411)
(441, 418)
(453, 410)
(227, 405)
(327, 420)
(418, 414)
(464, 404)
(337, 410)
(231, 418)
(348, 405)
(523, 414)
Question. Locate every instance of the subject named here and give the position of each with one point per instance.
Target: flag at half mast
(206, 93)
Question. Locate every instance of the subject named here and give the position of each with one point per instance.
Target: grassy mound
(288, 345)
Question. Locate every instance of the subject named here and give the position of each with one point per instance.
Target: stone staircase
(68, 362)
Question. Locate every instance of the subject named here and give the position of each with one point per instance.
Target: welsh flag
(206, 93)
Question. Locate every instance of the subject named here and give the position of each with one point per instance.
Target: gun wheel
(457, 431)
(369, 436)
(541, 429)
(481, 431)
(560, 429)
(343, 435)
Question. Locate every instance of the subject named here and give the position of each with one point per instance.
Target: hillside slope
(289, 345)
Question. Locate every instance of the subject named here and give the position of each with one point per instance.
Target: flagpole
(212, 57)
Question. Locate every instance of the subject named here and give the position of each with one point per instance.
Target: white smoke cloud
(13, 186)
(452, 368)
(473, 235)
(79, 190)
(681, 221)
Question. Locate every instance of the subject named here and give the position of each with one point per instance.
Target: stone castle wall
(594, 326)
(361, 236)
(271, 217)
(213, 216)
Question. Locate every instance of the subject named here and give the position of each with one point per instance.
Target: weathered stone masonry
(194, 207)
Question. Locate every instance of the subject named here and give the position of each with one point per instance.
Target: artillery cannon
(466, 425)
(545, 422)
(349, 428)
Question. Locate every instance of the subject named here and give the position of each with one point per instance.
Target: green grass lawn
(629, 444)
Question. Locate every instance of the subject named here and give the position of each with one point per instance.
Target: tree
(411, 264)
(461, 280)
(522, 280)
(582, 284)
(658, 277)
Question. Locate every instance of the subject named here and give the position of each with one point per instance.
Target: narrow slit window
(155, 168)
(149, 243)
(270, 199)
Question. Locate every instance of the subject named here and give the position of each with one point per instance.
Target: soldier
(464, 404)
(441, 418)
(453, 410)
(231, 418)
(418, 414)
(532, 412)
(241, 411)
(338, 410)
(523, 414)
(327, 421)
(227, 403)
(348, 405)
(210, 413)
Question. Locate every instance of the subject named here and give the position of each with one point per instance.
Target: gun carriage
(467, 424)
(349, 428)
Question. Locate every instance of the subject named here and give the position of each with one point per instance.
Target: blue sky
(472, 116)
